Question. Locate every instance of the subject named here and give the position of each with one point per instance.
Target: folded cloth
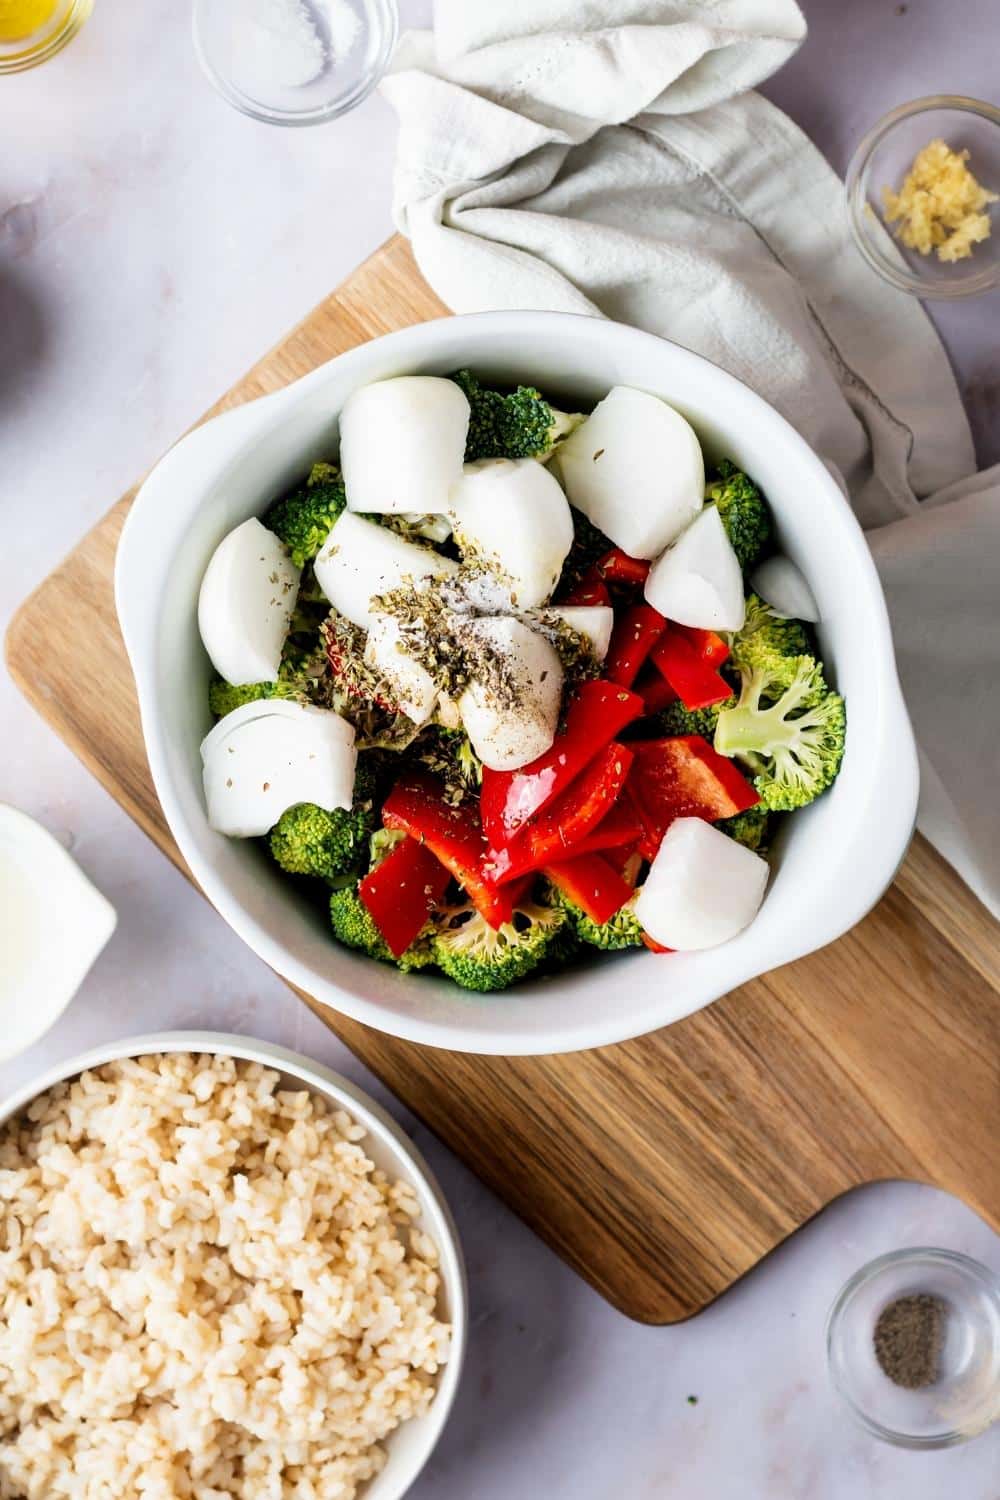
(604, 156)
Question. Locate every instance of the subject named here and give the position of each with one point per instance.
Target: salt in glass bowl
(883, 159)
(964, 1400)
(241, 61)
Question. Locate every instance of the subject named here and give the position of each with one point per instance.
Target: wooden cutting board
(664, 1168)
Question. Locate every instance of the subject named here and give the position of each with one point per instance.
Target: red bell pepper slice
(654, 946)
(709, 646)
(454, 835)
(654, 690)
(683, 777)
(636, 632)
(555, 834)
(509, 799)
(590, 883)
(617, 567)
(697, 684)
(591, 589)
(620, 829)
(400, 892)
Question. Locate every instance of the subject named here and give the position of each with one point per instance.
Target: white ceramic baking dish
(832, 861)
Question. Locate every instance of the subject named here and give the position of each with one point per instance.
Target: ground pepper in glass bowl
(913, 1347)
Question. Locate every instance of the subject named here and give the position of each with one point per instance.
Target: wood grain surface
(662, 1169)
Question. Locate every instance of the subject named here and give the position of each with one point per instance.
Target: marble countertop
(152, 244)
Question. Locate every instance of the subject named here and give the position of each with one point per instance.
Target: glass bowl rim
(899, 275)
(972, 1270)
(18, 57)
(321, 114)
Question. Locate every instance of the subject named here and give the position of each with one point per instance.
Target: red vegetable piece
(453, 835)
(695, 682)
(636, 632)
(654, 946)
(591, 589)
(509, 799)
(654, 690)
(709, 646)
(590, 883)
(621, 828)
(400, 892)
(683, 777)
(557, 832)
(617, 567)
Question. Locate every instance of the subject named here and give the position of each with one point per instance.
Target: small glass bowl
(965, 1398)
(59, 27)
(241, 59)
(883, 159)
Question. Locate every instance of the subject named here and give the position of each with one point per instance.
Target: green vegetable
(353, 926)
(223, 697)
(743, 511)
(788, 728)
(589, 546)
(303, 663)
(381, 844)
(520, 425)
(765, 637)
(308, 840)
(620, 931)
(748, 828)
(676, 719)
(448, 753)
(302, 520)
(478, 957)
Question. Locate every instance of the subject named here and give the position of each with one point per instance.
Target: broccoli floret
(302, 520)
(563, 949)
(520, 425)
(743, 511)
(381, 844)
(765, 637)
(224, 697)
(620, 931)
(748, 828)
(531, 427)
(354, 926)
(788, 728)
(449, 754)
(303, 662)
(308, 840)
(589, 546)
(479, 957)
(676, 719)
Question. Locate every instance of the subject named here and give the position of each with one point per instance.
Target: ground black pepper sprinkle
(909, 1335)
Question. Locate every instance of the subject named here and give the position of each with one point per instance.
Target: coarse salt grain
(289, 43)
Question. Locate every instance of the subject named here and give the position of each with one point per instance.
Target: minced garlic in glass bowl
(922, 196)
(941, 207)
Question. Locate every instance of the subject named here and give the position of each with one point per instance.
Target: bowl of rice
(224, 1272)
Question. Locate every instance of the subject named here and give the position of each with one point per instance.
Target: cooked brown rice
(206, 1291)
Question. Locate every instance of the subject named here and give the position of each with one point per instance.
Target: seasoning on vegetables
(496, 729)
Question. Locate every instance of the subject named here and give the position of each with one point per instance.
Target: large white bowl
(833, 860)
(411, 1445)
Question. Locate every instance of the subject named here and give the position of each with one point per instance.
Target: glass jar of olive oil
(33, 30)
